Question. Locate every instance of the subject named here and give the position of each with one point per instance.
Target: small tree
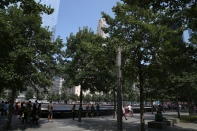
(87, 98)
(53, 97)
(64, 96)
(29, 94)
(41, 96)
(74, 97)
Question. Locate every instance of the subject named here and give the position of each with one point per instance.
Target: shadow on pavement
(91, 124)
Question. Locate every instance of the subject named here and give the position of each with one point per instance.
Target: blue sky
(75, 14)
(79, 13)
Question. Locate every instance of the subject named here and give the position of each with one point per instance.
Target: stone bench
(159, 124)
(173, 121)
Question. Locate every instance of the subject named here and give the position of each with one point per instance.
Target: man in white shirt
(130, 109)
(123, 113)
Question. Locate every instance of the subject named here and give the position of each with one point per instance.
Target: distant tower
(102, 24)
(51, 20)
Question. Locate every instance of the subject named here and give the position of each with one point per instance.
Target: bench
(159, 124)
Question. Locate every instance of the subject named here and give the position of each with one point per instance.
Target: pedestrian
(130, 109)
(87, 110)
(6, 107)
(180, 107)
(34, 112)
(97, 109)
(16, 108)
(29, 110)
(25, 112)
(73, 111)
(50, 109)
(21, 112)
(92, 110)
(123, 113)
(38, 113)
(2, 108)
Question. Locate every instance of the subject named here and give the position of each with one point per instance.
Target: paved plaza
(104, 123)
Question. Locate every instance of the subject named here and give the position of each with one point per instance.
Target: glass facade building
(51, 20)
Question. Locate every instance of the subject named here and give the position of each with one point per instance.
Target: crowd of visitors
(90, 110)
(29, 112)
(4, 106)
(26, 111)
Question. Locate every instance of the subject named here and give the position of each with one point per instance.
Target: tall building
(76, 90)
(57, 85)
(101, 24)
(190, 30)
(51, 20)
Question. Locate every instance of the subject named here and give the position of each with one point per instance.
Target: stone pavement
(106, 123)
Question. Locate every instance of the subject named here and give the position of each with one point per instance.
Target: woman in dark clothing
(73, 111)
(87, 110)
(97, 109)
(38, 113)
(92, 110)
(34, 113)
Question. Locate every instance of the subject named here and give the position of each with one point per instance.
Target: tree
(176, 58)
(53, 96)
(40, 96)
(129, 93)
(64, 96)
(132, 27)
(27, 52)
(29, 94)
(74, 97)
(87, 98)
(85, 69)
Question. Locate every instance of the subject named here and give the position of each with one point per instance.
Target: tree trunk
(114, 94)
(141, 99)
(119, 95)
(119, 107)
(80, 106)
(142, 109)
(151, 104)
(11, 109)
(178, 109)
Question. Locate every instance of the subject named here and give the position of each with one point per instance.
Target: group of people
(28, 111)
(4, 108)
(130, 111)
(89, 112)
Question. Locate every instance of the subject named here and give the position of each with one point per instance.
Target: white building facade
(102, 24)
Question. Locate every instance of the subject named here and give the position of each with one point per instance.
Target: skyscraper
(190, 30)
(101, 24)
(51, 20)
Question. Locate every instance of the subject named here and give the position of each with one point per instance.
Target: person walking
(87, 110)
(34, 112)
(38, 114)
(123, 113)
(73, 111)
(50, 109)
(97, 109)
(28, 112)
(92, 110)
(130, 109)
(2, 108)
(6, 107)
